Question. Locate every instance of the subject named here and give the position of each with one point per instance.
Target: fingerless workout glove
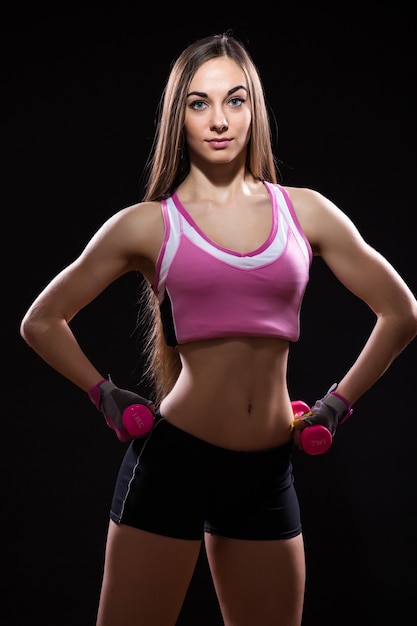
(125, 412)
(330, 411)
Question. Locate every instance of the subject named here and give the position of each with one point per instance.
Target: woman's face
(218, 112)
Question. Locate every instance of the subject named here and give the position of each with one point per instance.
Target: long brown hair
(168, 165)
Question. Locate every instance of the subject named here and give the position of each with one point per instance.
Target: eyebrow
(202, 94)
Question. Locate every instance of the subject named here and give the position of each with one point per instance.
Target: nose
(219, 122)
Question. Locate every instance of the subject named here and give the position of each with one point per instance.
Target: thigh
(146, 577)
(258, 582)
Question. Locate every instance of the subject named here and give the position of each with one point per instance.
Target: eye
(236, 102)
(198, 105)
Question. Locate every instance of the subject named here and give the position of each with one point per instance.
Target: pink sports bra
(206, 291)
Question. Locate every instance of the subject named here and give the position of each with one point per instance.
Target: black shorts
(175, 484)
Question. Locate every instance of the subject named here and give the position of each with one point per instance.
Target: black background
(80, 89)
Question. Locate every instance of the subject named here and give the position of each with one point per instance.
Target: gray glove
(330, 411)
(127, 413)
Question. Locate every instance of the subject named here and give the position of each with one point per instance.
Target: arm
(370, 277)
(128, 241)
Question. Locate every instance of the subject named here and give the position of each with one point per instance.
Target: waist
(233, 393)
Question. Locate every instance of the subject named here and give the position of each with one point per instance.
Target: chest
(242, 227)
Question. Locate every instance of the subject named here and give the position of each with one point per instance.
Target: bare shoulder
(321, 219)
(140, 222)
(141, 213)
(307, 201)
(131, 238)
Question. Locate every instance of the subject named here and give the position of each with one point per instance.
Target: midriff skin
(233, 393)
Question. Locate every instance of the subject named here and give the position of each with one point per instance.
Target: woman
(225, 251)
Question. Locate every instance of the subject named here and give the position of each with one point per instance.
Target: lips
(219, 143)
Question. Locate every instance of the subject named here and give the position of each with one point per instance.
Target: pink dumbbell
(137, 419)
(315, 439)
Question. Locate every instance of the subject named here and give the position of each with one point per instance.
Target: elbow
(414, 328)
(401, 324)
(26, 328)
(409, 321)
(30, 327)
